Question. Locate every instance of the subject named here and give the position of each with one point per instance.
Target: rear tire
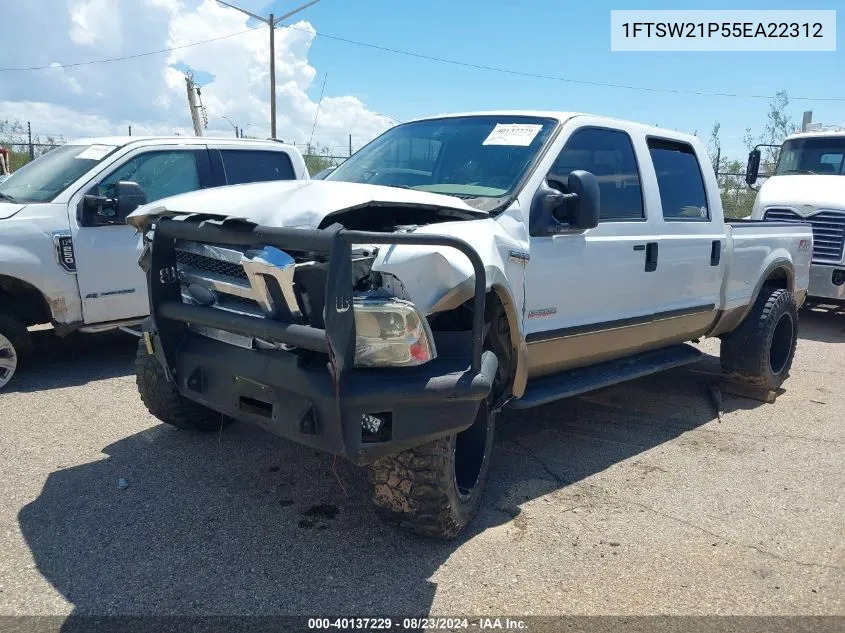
(15, 346)
(760, 351)
(163, 400)
(436, 489)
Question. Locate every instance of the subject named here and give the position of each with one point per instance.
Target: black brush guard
(320, 406)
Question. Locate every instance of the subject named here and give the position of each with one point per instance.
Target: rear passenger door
(240, 166)
(692, 238)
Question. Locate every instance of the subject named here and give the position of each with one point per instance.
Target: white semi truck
(809, 186)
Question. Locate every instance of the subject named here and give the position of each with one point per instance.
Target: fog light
(371, 423)
(376, 427)
(838, 277)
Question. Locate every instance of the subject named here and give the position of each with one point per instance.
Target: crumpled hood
(818, 191)
(8, 209)
(291, 203)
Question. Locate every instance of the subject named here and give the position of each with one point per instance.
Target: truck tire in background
(164, 401)
(15, 346)
(760, 351)
(435, 489)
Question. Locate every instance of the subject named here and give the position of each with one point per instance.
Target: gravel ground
(631, 500)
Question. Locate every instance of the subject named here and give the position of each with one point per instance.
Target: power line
(442, 60)
(519, 73)
(125, 57)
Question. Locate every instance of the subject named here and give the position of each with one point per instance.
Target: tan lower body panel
(580, 350)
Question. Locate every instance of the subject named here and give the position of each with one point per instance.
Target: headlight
(391, 333)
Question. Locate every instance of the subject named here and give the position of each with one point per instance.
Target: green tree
(13, 135)
(318, 158)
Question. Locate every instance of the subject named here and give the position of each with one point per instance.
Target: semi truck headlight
(391, 333)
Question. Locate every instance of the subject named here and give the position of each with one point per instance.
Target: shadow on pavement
(822, 323)
(74, 360)
(244, 523)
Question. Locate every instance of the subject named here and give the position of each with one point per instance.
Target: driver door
(589, 295)
(111, 284)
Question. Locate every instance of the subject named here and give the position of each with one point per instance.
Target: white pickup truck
(452, 267)
(809, 186)
(67, 256)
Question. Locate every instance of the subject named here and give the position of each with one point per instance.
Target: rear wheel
(760, 351)
(15, 346)
(163, 400)
(435, 489)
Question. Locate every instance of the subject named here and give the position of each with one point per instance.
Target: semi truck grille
(828, 231)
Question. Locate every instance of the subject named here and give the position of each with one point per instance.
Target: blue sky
(562, 39)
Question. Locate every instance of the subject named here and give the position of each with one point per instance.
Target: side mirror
(584, 208)
(129, 197)
(97, 210)
(752, 169)
(553, 212)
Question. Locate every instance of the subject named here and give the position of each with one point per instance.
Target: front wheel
(435, 489)
(15, 346)
(163, 400)
(760, 351)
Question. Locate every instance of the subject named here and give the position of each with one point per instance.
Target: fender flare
(728, 322)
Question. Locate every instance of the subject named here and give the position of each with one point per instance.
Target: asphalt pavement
(631, 500)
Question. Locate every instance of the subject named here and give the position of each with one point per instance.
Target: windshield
(48, 175)
(478, 158)
(814, 155)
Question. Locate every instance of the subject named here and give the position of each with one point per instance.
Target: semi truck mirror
(752, 169)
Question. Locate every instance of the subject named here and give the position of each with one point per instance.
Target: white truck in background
(67, 256)
(808, 185)
(452, 267)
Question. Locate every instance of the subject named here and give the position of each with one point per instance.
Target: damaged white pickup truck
(453, 267)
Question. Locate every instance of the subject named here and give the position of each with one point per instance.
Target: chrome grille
(219, 270)
(828, 231)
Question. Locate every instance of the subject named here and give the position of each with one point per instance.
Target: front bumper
(279, 392)
(314, 395)
(822, 282)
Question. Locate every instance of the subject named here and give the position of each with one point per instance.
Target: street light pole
(272, 76)
(272, 22)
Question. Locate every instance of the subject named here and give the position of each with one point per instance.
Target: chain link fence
(737, 197)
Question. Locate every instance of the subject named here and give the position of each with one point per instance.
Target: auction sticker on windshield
(96, 152)
(519, 134)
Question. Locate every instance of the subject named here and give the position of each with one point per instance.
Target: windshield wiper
(6, 197)
(800, 171)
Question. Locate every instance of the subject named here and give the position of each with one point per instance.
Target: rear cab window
(679, 180)
(242, 166)
(609, 156)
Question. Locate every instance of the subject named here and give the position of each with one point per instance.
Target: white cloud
(93, 21)
(149, 92)
(58, 72)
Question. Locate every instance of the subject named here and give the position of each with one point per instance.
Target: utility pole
(31, 146)
(193, 91)
(350, 145)
(272, 21)
(807, 120)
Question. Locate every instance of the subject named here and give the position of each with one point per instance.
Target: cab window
(243, 166)
(160, 174)
(679, 180)
(609, 156)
